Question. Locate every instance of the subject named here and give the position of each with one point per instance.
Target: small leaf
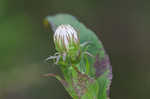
(57, 77)
(87, 65)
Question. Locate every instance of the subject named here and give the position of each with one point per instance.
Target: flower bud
(66, 38)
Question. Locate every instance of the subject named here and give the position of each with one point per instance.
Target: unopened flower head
(66, 38)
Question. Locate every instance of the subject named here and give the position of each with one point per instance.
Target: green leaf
(85, 34)
(99, 67)
(87, 65)
(92, 91)
(103, 84)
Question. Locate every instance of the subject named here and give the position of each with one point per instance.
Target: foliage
(90, 77)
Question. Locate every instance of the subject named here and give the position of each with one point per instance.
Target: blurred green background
(122, 25)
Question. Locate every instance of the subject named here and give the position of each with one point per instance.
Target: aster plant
(80, 55)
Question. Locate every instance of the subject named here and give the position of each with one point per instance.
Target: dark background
(122, 25)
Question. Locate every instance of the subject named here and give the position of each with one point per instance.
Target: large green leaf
(99, 66)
